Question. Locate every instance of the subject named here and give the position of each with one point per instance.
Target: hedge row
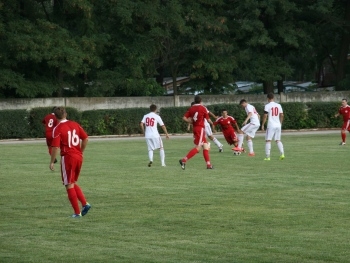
(23, 124)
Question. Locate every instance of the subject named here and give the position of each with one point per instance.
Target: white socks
(240, 140)
(250, 146)
(150, 156)
(217, 143)
(280, 147)
(268, 149)
(162, 156)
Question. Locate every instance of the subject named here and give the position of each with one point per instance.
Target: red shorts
(70, 169)
(230, 137)
(48, 139)
(346, 125)
(199, 135)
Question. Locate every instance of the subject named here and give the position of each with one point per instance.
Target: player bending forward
(149, 129)
(67, 135)
(196, 115)
(227, 124)
(274, 113)
(344, 110)
(250, 128)
(209, 131)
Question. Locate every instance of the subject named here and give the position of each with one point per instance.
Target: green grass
(246, 210)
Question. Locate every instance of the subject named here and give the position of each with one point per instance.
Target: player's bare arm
(281, 118)
(248, 117)
(142, 128)
(213, 115)
(165, 131)
(263, 122)
(53, 157)
(237, 128)
(188, 120)
(83, 144)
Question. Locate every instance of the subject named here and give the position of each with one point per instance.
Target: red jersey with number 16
(67, 135)
(198, 113)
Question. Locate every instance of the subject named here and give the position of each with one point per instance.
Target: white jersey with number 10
(151, 120)
(273, 110)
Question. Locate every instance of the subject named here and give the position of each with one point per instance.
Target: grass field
(245, 210)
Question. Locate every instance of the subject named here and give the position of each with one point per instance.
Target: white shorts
(273, 132)
(208, 130)
(250, 129)
(154, 143)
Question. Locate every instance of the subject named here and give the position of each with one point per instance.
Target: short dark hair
(153, 107)
(192, 103)
(53, 109)
(60, 112)
(270, 96)
(197, 99)
(223, 110)
(242, 101)
(345, 100)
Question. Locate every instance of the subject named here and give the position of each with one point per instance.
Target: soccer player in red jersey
(196, 115)
(344, 110)
(49, 122)
(67, 136)
(227, 124)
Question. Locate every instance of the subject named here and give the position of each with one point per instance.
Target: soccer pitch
(245, 210)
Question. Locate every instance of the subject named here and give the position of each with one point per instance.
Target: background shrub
(321, 114)
(36, 115)
(14, 124)
(119, 121)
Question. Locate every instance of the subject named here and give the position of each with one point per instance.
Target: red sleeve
(187, 114)
(233, 120)
(82, 133)
(56, 138)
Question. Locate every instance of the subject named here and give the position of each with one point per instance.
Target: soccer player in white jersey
(249, 129)
(154, 141)
(274, 113)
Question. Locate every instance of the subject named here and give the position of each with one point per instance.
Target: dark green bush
(21, 124)
(36, 115)
(119, 121)
(321, 114)
(14, 124)
(295, 115)
(172, 118)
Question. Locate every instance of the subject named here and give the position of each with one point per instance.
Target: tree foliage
(127, 47)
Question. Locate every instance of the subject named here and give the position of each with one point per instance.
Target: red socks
(343, 136)
(190, 154)
(80, 195)
(206, 156)
(72, 196)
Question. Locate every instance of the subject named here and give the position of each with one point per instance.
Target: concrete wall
(84, 104)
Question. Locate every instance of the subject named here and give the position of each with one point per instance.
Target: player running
(149, 129)
(274, 113)
(227, 124)
(196, 115)
(344, 110)
(250, 128)
(209, 131)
